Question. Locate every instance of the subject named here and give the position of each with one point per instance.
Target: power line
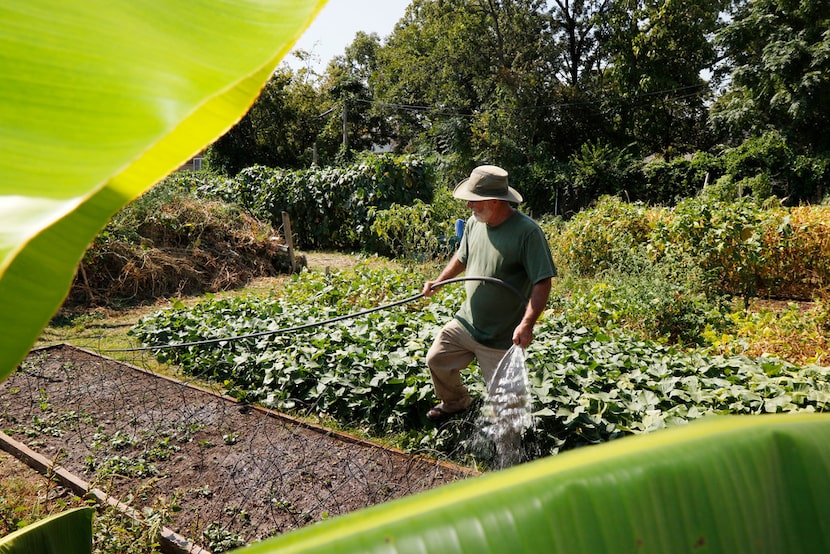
(443, 110)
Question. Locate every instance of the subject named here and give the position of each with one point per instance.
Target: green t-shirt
(516, 252)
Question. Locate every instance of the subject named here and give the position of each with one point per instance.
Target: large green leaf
(99, 101)
(751, 484)
(68, 532)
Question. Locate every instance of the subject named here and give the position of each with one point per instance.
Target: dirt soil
(227, 473)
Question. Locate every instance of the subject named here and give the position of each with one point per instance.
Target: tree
(580, 58)
(658, 50)
(779, 51)
(468, 78)
(347, 86)
(278, 131)
(576, 29)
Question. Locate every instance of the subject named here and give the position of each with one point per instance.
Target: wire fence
(218, 472)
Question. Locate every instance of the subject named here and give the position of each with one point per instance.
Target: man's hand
(428, 290)
(454, 267)
(523, 334)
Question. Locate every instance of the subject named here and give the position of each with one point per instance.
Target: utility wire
(675, 94)
(412, 298)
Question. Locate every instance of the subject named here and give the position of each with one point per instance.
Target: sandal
(438, 414)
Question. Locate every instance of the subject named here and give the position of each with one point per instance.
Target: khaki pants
(452, 351)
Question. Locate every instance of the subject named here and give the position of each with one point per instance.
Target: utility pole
(345, 119)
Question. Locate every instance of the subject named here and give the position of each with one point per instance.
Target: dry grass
(798, 332)
(27, 496)
(170, 243)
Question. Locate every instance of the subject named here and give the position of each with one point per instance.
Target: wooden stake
(289, 240)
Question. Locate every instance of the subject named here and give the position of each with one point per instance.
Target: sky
(339, 21)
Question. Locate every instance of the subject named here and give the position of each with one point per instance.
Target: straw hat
(487, 182)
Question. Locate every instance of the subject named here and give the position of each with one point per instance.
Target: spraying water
(506, 413)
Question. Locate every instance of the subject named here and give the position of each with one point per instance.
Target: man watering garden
(499, 243)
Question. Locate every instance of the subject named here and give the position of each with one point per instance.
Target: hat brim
(462, 192)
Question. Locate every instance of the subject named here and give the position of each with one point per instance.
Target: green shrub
(600, 169)
(332, 207)
(603, 237)
(767, 155)
(419, 231)
(667, 182)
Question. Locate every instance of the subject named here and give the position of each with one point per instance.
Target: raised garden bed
(221, 473)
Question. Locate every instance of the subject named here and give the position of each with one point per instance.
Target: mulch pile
(185, 247)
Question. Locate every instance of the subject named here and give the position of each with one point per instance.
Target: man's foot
(438, 414)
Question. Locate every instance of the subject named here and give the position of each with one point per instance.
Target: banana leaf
(100, 100)
(731, 484)
(68, 532)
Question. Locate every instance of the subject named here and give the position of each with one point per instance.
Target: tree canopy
(780, 68)
(550, 88)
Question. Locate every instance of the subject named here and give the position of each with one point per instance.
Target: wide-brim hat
(487, 182)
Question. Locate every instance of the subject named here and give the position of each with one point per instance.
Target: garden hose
(412, 298)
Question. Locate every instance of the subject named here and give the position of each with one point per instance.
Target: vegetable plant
(588, 385)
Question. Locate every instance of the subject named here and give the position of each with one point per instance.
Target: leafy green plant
(125, 466)
(117, 441)
(218, 539)
(117, 533)
(420, 231)
(589, 384)
(69, 532)
(52, 423)
(161, 449)
(118, 126)
(331, 207)
(657, 305)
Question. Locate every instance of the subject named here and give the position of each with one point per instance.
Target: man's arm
(453, 268)
(523, 333)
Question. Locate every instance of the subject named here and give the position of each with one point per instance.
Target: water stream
(506, 413)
